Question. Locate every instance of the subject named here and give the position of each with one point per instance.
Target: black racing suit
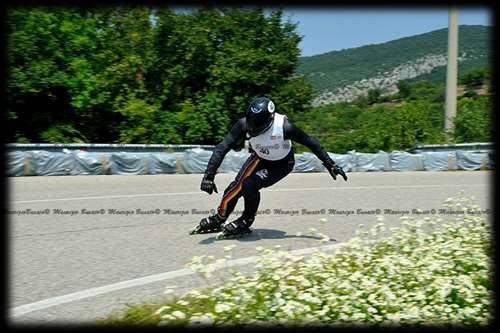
(257, 173)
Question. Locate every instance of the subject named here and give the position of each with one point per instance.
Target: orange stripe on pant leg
(234, 192)
(238, 179)
(235, 187)
(238, 188)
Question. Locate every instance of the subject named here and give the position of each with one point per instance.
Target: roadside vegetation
(429, 271)
(414, 115)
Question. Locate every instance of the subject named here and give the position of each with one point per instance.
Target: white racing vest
(270, 145)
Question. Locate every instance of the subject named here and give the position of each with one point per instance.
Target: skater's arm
(294, 133)
(235, 133)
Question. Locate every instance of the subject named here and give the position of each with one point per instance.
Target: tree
(373, 96)
(403, 89)
(38, 70)
(138, 74)
(475, 78)
(473, 122)
(234, 55)
(52, 73)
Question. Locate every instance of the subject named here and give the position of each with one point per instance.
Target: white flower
(193, 293)
(222, 307)
(203, 319)
(179, 314)
(358, 316)
(309, 298)
(166, 318)
(160, 310)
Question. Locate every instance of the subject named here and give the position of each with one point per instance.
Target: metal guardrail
(103, 147)
(115, 147)
(40, 162)
(475, 146)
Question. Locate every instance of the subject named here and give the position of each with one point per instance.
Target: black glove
(208, 185)
(335, 170)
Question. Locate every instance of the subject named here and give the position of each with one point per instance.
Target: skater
(271, 159)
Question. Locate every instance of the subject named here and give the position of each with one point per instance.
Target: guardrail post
(27, 165)
(178, 165)
(452, 161)
(104, 164)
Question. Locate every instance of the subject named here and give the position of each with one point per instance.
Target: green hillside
(338, 68)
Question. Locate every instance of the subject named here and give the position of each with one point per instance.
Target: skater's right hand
(335, 170)
(208, 185)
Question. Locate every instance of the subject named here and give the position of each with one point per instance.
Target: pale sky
(328, 29)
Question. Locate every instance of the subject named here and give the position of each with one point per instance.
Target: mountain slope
(344, 75)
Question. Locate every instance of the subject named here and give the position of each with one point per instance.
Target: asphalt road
(83, 246)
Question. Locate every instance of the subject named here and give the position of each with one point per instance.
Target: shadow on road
(259, 234)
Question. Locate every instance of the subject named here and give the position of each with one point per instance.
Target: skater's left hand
(208, 185)
(335, 170)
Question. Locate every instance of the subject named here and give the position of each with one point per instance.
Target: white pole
(451, 75)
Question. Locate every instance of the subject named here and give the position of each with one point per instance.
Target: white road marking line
(92, 292)
(376, 187)
(269, 190)
(107, 197)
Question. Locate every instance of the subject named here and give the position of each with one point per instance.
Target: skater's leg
(230, 197)
(267, 174)
(226, 206)
(233, 192)
(251, 196)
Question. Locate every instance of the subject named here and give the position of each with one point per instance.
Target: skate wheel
(195, 230)
(222, 235)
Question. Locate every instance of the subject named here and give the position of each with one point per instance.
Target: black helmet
(260, 115)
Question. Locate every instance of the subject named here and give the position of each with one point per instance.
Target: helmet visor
(256, 127)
